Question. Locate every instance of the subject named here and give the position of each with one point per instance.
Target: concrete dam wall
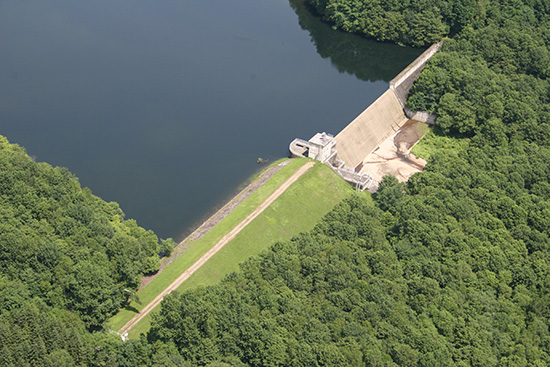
(382, 118)
(347, 151)
(403, 82)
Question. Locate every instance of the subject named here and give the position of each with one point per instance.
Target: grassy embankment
(297, 210)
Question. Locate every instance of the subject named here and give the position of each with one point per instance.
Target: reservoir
(164, 106)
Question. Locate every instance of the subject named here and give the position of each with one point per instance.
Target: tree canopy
(61, 243)
(455, 271)
(451, 268)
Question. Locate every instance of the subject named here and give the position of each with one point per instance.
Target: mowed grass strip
(200, 247)
(297, 210)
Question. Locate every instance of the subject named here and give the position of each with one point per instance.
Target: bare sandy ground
(217, 247)
(394, 155)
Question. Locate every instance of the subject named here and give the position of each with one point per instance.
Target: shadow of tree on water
(368, 60)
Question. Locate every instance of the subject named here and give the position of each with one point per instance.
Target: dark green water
(164, 106)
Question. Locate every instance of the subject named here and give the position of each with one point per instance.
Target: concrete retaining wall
(422, 116)
(403, 82)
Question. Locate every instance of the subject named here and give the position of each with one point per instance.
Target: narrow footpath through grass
(296, 210)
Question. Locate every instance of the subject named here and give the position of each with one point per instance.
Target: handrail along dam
(346, 151)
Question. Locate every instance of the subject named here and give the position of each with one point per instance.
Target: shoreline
(215, 218)
(219, 244)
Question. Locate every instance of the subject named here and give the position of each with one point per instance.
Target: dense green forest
(349, 53)
(63, 244)
(423, 22)
(450, 268)
(68, 261)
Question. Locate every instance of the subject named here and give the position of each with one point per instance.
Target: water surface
(164, 106)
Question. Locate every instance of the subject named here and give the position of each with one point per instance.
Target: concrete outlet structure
(321, 146)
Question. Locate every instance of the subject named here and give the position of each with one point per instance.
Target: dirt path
(206, 226)
(217, 247)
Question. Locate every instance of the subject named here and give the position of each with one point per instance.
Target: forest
(68, 261)
(451, 268)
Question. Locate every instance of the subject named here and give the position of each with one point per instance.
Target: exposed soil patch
(409, 135)
(394, 156)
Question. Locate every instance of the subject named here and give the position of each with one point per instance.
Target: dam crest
(346, 152)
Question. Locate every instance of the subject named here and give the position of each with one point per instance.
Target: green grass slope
(297, 210)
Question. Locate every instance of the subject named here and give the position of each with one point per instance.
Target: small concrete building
(320, 146)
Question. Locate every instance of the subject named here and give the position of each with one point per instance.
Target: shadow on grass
(130, 308)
